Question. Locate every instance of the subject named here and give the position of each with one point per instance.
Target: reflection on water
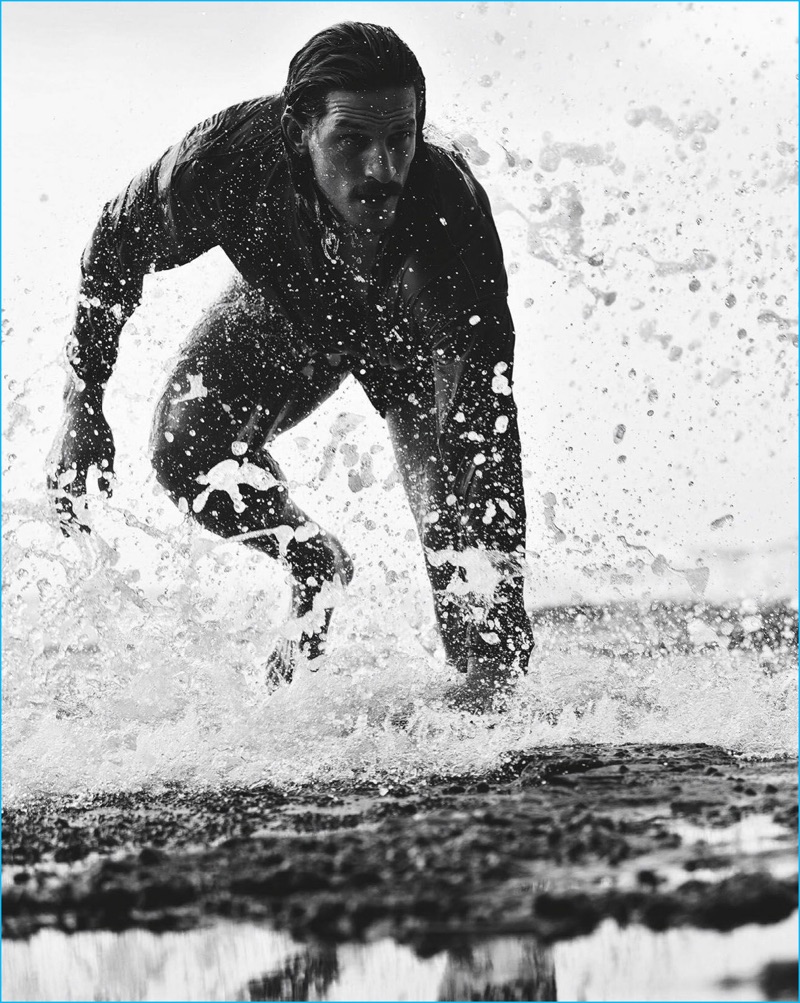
(304, 976)
(502, 969)
(233, 961)
(506, 969)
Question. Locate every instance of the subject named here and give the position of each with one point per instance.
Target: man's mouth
(380, 207)
(377, 198)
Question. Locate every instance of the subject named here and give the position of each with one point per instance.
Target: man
(363, 250)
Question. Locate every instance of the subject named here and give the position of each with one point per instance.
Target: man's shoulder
(231, 152)
(448, 183)
(447, 158)
(452, 256)
(250, 127)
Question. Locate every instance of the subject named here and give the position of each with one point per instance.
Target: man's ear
(295, 132)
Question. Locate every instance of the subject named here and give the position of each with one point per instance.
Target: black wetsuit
(429, 337)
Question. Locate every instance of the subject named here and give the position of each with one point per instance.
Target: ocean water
(642, 166)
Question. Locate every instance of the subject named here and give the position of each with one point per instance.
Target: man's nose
(379, 163)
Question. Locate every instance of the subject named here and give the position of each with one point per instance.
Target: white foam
(119, 675)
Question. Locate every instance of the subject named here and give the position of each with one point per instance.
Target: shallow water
(247, 962)
(648, 213)
(184, 698)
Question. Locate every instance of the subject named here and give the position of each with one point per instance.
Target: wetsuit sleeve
(461, 313)
(457, 287)
(464, 313)
(162, 219)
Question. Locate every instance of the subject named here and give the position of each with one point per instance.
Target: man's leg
(239, 383)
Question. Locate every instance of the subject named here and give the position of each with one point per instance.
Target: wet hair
(352, 56)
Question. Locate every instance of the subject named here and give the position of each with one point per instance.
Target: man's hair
(352, 56)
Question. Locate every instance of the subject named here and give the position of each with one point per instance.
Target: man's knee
(174, 460)
(180, 480)
(182, 455)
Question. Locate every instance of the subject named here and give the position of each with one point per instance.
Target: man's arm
(162, 219)
(458, 295)
(167, 216)
(461, 306)
(479, 443)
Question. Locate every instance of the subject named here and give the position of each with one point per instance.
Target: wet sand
(550, 845)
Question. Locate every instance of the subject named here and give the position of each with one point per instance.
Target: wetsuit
(428, 335)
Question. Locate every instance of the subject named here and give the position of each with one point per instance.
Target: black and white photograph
(399, 500)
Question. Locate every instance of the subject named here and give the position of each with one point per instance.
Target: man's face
(361, 151)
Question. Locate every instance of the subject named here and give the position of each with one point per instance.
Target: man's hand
(496, 654)
(84, 441)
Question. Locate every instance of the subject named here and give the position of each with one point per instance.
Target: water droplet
(723, 520)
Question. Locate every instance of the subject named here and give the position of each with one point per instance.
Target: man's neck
(358, 250)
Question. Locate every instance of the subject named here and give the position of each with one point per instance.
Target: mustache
(374, 191)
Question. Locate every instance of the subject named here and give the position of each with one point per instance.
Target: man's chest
(341, 294)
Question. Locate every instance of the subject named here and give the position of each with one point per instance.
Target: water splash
(130, 675)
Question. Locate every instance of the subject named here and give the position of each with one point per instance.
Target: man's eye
(402, 142)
